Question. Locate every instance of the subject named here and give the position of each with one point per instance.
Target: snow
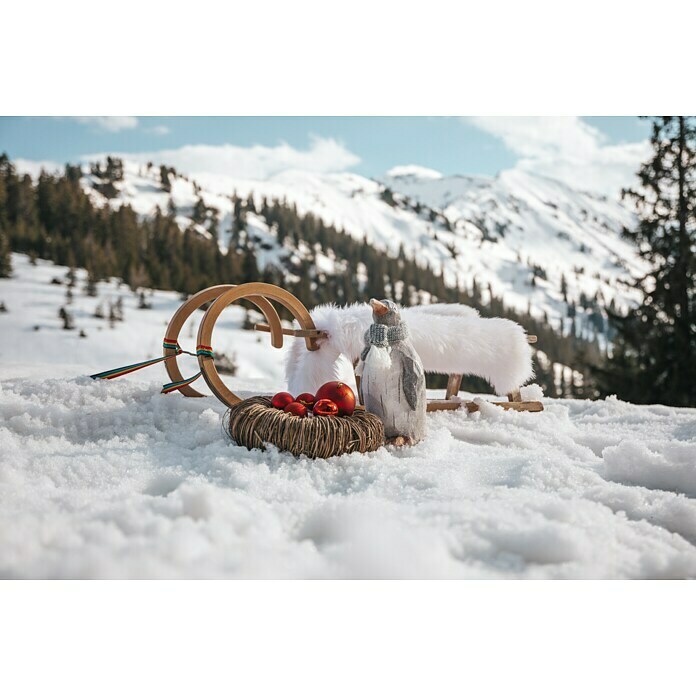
(113, 479)
(532, 392)
(671, 467)
(413, 170)
(33, 301)
(533, 219)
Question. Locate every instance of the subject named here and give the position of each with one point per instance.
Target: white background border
(335, 638)
(364, 57)
(536, 57)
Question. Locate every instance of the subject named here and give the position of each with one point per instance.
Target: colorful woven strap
(205, 351)
(173, 386)
(171, 344)
(168, 344)
(127, 369)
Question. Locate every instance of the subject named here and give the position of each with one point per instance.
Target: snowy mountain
(534, 242)
(517, 221)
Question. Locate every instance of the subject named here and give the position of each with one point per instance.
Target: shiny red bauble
(281, 400)
(341, 394)
(325, 407)
(296, 409)
(307, 399)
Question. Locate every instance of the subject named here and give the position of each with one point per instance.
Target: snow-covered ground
(113, 479)
(32, 332)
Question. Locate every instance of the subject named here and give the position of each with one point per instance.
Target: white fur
(450, 339)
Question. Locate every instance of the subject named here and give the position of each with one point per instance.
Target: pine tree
(214, 225)
(250, 269)
(67, 319)
(91, 285)
(114, 169)
(200, 211)
(142, 301)
(239, 222)
(564, 288)
(164, 179)
(654, 354)
(5, 256)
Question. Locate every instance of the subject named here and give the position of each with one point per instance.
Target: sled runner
(261, 295)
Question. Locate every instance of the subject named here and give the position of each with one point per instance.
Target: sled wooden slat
(472, 406)
(297, 333)
(454, 383)
(443, 405)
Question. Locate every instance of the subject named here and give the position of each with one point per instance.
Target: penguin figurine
(392, 379)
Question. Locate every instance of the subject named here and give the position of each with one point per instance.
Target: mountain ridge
(534, 242)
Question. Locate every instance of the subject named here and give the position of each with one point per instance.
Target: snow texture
(113, 479)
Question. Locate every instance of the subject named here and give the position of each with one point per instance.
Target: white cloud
(160, 130)
(567, 148)
(112, 124)
(255, 162)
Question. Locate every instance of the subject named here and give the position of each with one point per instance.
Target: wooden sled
(261, 295)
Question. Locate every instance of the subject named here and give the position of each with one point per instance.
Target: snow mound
(113, 479)
(665, 466)
(532, 392)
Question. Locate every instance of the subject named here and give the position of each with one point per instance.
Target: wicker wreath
(254, 423)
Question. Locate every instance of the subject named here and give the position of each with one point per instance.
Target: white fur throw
(450, 339)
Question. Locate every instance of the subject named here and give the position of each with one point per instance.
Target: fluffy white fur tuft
(450, 339)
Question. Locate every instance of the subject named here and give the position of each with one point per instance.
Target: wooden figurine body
(392, 383)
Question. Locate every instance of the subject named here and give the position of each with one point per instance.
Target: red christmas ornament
(325, 407)
(341, 394)
(307, 399)
(296, 409)
(281, 400)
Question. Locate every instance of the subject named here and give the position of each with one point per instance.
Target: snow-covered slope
(114, 479)
(537, 243)
(34, 341)
(517, 221)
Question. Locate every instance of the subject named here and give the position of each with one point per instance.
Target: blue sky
(369, 146)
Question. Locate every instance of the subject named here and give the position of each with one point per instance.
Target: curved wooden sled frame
(247, 291)
(196, 302)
